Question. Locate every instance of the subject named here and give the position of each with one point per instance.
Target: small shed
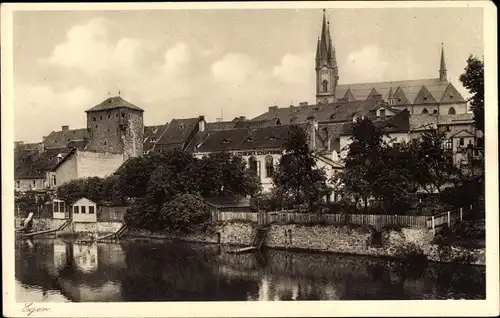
(60, 209)
(84, 210)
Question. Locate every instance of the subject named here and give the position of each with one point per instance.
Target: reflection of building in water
(60, 254)
(111, 254)
(85, 257)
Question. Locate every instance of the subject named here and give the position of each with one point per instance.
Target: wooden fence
(375, 220)
(449, 217)
(296, 217)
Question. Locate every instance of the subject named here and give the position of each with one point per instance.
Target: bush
(184, 212)
(142, 215)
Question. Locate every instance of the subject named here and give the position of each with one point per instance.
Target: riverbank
(341, 239)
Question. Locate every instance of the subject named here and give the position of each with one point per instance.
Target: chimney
(273, 108)
(303, 103)
(201, 123)
(59, 158)
(41, 147)
(311, 130)
(328, 141)
(65, 128)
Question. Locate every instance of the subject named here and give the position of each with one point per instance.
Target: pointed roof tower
(442, 67)
(324, 40)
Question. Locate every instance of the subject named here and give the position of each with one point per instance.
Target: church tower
(442, 66)
(327, 74)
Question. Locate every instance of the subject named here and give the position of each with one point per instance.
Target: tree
(184, 211)
(296, 179)
(433, 166)
(360, 166)
(225, 174)
(473, 80)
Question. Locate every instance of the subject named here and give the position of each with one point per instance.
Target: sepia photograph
(248, 154)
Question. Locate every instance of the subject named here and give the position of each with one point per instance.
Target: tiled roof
(410, 88)
(428, 121)
(334, 130)
(113, 102)
(178, 133)
(335, 112)
(245, 139)
(33, 164)
(398, 123)
(60, 139)
(151, 135)
(225, 125)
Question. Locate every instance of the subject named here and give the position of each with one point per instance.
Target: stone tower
(116, 126)
(327, 74)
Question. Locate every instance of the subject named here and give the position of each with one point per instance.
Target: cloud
(176, 58)
(88, 48)
(234, 68)
(40, 109)
(366, 65)
(294, 68)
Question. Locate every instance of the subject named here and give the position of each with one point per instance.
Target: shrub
(184, 212)
(143, 215)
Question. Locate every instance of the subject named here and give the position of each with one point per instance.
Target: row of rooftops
(267, 131)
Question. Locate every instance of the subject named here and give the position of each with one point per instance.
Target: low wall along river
(348, 239)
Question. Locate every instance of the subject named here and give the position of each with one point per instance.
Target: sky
(218, 63)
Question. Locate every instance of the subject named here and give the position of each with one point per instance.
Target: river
(55, 270)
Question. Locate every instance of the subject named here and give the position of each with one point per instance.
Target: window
(269, 166)
(425, 111)
(75, 209)
(33, 182)
(382, 113)
(116, 115)
(226, 141)
(96, 126)
(249, 139)
(56, 207)
(123, 115)
(18, 184)
(396, 144)
(461, 141)
(54, 180)
(109, 116)
(181, 126)
(100, 118)
(105, 142)
(451, 111)
(448, 144)
(93, 118)
(62, 207)
(252, 163)
(83, 209)
(435, 111)
(153, 140)
(91, 210)
(325, 86)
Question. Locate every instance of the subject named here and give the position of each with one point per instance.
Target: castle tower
(442, 67)
(327, 75)
(116, 126)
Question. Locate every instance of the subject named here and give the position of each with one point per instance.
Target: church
(420, 96)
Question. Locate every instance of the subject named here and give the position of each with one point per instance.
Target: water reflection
(56, 270)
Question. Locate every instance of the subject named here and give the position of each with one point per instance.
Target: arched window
(252, 163)
(425, 111)
(325, 86)
(269, 167)
(451, 111)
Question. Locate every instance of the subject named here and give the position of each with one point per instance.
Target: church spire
(442, 67)
(326, 65)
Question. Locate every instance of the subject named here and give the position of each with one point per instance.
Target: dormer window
(399, 99)
(332, 116)
(315, 109)
(425, 97)
(226, 141)
(272, 138)
(249, 139)
(451, 96)
(181, 127)
(153, 139)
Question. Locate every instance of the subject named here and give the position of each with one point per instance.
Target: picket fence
(375, 220)
(297, 217)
